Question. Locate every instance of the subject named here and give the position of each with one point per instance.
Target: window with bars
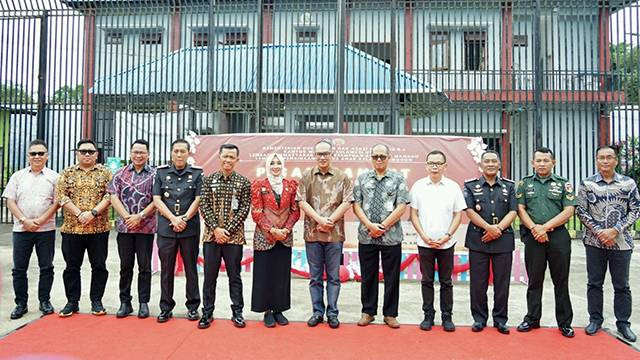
(439, 50)
(234, 38)
(200, 38)
(520, 41)
(475, 46)
(380, 50)
(306, 36)
(114, 38)
(151, 38)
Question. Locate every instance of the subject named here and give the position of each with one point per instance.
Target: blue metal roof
(300, 69)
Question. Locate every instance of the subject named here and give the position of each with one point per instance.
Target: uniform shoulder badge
(196, 167)
(508, 180)
(471, 180)
(165, 166)
(568, 187)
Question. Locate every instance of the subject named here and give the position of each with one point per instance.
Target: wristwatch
(448, 234)
(94, 212)
(142, 214)
(22, 219)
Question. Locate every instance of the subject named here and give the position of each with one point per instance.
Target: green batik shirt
(545, 197)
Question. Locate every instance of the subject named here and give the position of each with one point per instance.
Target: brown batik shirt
(225, 203)
(85, 189)
(324, 192)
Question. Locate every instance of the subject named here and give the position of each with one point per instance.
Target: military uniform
(178, 189)
(545, 198)
(492, 203)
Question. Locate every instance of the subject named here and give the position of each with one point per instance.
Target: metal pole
(394, 64)
(339, 94)
(210, 56)
(42, 75)
(258, 113)
(539, 76)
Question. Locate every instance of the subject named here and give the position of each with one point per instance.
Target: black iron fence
(519, 74)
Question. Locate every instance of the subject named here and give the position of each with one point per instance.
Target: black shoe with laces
(97, 308)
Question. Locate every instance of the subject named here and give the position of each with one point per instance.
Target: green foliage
(629, 163)
(14, 94)
(625, 63)
(67, 95)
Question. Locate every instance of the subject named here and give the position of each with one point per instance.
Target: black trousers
(73, 249)
(167, 251)
(557, 253)
(131, 246)
(444, 259)
(479, 265)
(618, 261)
(369, 266)
(23, 244)
(213, 255)
(271, 288)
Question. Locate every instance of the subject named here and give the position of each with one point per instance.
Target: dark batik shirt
(225, 203)
(135, 191)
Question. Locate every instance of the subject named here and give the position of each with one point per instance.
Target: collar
(483, 181)
(219, 175)
(544, 180)
(44, 169)
(146, 168)
(374, 175)
(77, 167)
(430, 182)
(187, 169)
(330, 171)
(616, 177)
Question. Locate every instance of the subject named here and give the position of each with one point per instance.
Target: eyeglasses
(87, 152)
(606, 158)
(37, 153)
(325, 154)
(436, 164)
(379, 157)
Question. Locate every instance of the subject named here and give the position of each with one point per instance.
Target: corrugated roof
(305, 69)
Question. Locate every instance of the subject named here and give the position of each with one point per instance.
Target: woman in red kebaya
(275, 211)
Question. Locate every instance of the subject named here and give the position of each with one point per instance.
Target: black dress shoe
(427, 323)
(193, 315)
(502, 328)
(205, 320)
(269, 320)
(143, 312)
(626, 333)
(238, 320)
(124, 310)
(592, 328)
(447, 324)
(333, 321)
(477, 327)
(314, 320)
(280, 319)
(567, 331)
(69, 309)
(97, 308)
(46, 308)
(164, 316)
(18, 311)
(526, 326)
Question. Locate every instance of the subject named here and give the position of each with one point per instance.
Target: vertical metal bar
(210, 56)
(339, 90)
(258, 112)
(394, 65)
(538, 74)
(42, 74)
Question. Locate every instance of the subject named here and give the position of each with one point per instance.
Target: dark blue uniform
(492, 203)
(178, 189)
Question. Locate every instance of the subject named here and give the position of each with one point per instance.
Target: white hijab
(275, 181)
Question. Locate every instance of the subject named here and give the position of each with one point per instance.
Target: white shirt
(34, 194)
(436, 203)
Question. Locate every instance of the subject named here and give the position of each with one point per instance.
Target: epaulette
(196, 167)
(472, 179)
(508, 180)
(558, 177)
(530, 176)
(165, 166)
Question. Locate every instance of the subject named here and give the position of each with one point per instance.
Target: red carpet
(90, 337)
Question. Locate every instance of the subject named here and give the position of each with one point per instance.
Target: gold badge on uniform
(166, 194)
(568, 188)
(168, 177)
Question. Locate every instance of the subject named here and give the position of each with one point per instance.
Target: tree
(630, 158)
(14, 94)
(67, 95)
(625, 64)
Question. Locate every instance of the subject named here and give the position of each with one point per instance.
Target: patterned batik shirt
(378, 198)
(603, 205)
(135, 191)
(324, 192)
(85, 189)
(225, 203)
